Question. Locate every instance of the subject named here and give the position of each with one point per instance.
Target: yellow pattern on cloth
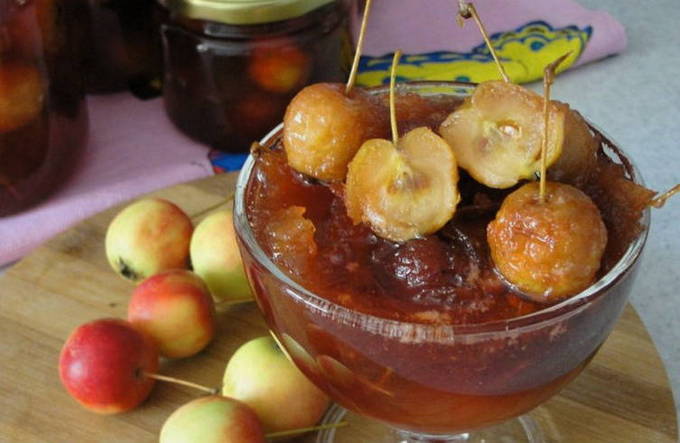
(524, 53)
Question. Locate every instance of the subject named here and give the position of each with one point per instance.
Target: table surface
(622, 396)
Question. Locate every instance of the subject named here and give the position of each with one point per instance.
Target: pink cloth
(133, 149)
(420, 26)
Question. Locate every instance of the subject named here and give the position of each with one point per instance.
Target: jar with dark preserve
(43, 117)
(231, 67)
(122, 49)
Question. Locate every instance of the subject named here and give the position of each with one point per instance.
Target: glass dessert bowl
(434, 361)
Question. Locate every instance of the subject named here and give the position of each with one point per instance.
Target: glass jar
(122, 49)
(231, 67)
(43, 118)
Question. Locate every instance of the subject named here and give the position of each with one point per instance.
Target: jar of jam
(122, 49)
(43, 118)
(231, 66)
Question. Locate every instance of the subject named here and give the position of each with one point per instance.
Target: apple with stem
(216, 259)
(104, 365)
(149, 236)
(261, 375)
(176, 310)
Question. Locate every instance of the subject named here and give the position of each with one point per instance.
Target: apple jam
(43, 119)
(424, 334)
(447, 277)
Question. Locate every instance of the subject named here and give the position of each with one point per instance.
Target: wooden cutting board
(623, 396)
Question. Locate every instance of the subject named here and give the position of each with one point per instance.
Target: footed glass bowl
(435, 382)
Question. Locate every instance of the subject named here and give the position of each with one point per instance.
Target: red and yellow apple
(261, 375)
(212, 419)
(147, 237)
(104, 363)
(176, 310)
(216, 259)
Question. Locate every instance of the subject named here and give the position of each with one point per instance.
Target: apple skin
(260, 375)
(212, 419)
(102, 365)
(148, 236)
(176, 310)
(215, 257)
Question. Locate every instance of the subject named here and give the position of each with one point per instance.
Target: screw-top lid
(243, 12)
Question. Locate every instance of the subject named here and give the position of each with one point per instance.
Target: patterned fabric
(527, 35)
(523, 51)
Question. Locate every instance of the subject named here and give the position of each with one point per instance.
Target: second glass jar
(122, 45)
(232, 67)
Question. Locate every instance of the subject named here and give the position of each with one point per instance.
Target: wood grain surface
(623, 396)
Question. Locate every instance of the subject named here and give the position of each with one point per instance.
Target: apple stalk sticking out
(176, 310)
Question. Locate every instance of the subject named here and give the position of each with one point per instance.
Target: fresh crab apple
(406, 190)
(21, 94)
(103, 365)
(548, 249)
(324, 127)
(176, 310)
(498, 132)
(212, 419)
(261, 375)
(147, 237)
(216, 259)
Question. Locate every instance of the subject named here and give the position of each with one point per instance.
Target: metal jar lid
(243, 12)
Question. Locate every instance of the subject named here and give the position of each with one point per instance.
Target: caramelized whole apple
(548, 249)
(324, 127)
(578, 159)
(497, 133)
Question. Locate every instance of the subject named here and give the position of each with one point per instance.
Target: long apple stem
(467, 10)
(199, 214)
(393, 107)
(179, 381)
(236, 301)
(280, 345)
(660, 200)
(305, 430)
(360, 44)
(548, 79)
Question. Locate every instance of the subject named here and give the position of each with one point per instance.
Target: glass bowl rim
(535, 320)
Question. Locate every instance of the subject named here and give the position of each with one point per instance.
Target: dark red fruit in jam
(411, 265)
